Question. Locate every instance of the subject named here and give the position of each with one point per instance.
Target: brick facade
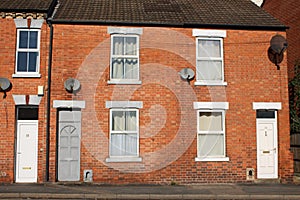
(167, 120)
(20, 86)
(168, 143)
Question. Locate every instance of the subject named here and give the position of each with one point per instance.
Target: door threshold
(268, 180)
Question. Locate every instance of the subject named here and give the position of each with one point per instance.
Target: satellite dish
(187, 74)
(72, 85)
(278, 45)
(5, 86)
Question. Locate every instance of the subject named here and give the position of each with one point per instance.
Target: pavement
(200, 191)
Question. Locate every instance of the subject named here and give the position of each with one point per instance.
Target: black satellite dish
(5, 86)
(72, 85)
(187, 74)
(278, 45)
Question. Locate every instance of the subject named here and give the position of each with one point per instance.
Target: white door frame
(275, 145)
(33, 155)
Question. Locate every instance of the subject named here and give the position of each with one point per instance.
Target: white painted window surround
(209, 57)
(211, 144)
(124, 131)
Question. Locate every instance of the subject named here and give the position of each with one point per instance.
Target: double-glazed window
(211, 134)
(28, 51)
(124, 132)
(209, 60)
(211, 140)
(124, 57)
(209, 57)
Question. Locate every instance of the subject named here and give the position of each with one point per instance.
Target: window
(124, 67)
(124, 131)
(211, 131)
(27, 52)
(209, 55)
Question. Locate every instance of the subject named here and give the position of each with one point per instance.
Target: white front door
(26, 155)
(267, 155)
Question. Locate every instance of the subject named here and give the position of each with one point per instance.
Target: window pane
(117, 70)
(131, 121)
(210, 70)
(130, 46)
(22, 62)
(32, 61)
(131, 69)
(211, 145)
(118, 121)
(23, 40)
(123, 144)
(265, 114)
(209, 48)
(33, 39)
(118, 46)
(210, 121)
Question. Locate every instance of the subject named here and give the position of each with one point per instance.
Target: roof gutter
(182, 25)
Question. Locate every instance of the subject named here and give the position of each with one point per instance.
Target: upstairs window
(124, 55)
(124, 58)
(209, 57)
(28, 51)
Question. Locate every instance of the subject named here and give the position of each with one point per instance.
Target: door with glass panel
(267, 155)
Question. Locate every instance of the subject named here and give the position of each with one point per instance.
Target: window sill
(124, 159)
(211, 159)
(25, 75)
(210, 83)
(125, 82)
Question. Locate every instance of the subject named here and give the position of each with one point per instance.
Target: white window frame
(218, 35)
(125, 158)
(211, 107)
(124, 80)
(37, 50)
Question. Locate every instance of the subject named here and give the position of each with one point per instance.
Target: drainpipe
(49, 100)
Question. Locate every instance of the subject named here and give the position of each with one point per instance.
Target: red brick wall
(20, 86)
(167, 120)
(287, 11)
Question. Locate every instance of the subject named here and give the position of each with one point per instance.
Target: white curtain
(209, 48)
(210, 70)
(123, 141)
(210, 121)
(211, 145)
